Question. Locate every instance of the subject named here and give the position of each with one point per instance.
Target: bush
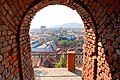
(62, 63)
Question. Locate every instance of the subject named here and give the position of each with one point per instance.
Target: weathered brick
(115, 45)
(7, 65)
(116, 65)
(9, 32)
(6, 55)
(1, 45)
(109, 36)
(21, 12)
(113, 7)
(13, 36)
(114, 57)
(16, 5)
(115, 32)
(2, 39)
(102, 39)
(0, 76)
(99, 11)
(112, 68)
(118, 51)
(4, 72)
(22, 5)
(2, 22)
(14, 10)
(1, 57)
(8, 9)
(118, 39)
(4, 49)
(4, 33)
(111, 49)
(7, 37)
(2, 10)
(9, 2)
(101, 29)
(2, 1)
(5, 43)
(10, 20)
(1, 69)
(109, 42)
(117, 75)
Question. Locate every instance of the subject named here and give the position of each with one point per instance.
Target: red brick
(22, 5)
(109, 59)
(1, 69)
(111, 49)
(5, 43)
(2, 1)
(101, 29)
(109, 43)
(118, 39)
(1, 57)
(14, 10)
(106, 1)
(8, 9)
(116, 65)
(112, 8)
(114, 57)
(115, 32)
(99, 11)
(117, 75)
(4, 33)
(10, 42)
(2, 39)
(2, 10)
(9, 2)
(16, 5)
(10, 20)
(111, 1)
(115, 45)
(103, 19)
(7, 65)
(112, 68)
(106, 77)
(109, 36)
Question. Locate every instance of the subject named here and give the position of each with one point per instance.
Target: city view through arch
(54, 31)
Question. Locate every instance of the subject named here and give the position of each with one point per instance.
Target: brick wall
(101, 20)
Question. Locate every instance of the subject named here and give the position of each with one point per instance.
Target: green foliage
(62, 62)
(71, 41)
(63, 42)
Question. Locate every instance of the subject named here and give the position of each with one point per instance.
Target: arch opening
(101, 20)
(63, 28)
(90, 45)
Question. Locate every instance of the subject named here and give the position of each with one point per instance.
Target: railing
(50, 60)
(39, 54)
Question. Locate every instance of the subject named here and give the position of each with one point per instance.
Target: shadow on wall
(109, 54)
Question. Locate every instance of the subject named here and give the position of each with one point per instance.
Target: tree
(63, 42)
(62, 62)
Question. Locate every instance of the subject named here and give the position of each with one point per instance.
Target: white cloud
(55, 15)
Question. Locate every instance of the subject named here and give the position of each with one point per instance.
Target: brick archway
(90, 32)
(102, 28)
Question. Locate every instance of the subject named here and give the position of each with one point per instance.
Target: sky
(55, 15)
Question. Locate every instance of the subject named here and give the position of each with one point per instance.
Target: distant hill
(68, 25)
(72, 25)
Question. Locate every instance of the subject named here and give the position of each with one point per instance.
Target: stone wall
(101, 20)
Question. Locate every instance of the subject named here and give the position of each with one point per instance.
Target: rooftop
(42, 46)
